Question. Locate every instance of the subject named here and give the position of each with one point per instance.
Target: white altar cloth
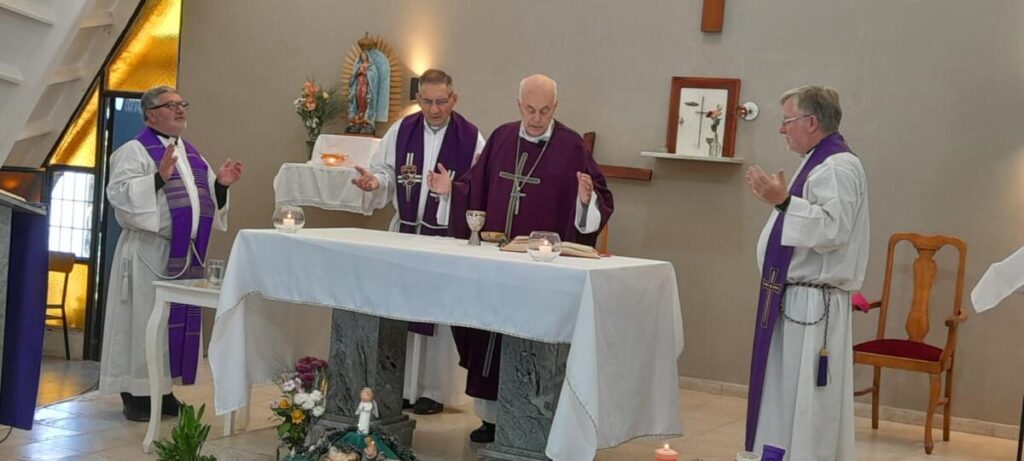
(328, 187)
(621, 316)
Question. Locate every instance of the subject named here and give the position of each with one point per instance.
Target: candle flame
(666, 446)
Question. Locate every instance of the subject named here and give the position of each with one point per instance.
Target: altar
(620, 318)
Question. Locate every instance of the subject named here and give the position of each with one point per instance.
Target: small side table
(191, 292)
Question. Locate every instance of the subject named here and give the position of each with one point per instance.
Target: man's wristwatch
(785, 204)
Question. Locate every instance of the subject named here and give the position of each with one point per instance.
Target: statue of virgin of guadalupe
(363, 88)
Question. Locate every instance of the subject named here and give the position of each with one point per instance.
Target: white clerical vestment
(141, 252)
(431, 362)
(829, 229)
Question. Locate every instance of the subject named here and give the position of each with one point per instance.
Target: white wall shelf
(696, 158)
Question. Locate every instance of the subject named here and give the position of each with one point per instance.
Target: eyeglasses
(787, 121)
(173, 105)
(435, 102)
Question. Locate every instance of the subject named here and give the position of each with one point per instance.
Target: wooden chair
(602, 238)
(63, 263)
(913, 354)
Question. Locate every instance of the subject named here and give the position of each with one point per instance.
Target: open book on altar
(578, 250)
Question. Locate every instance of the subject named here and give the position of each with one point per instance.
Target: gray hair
(148, 100)
(821, 102)
(542, 77)
(437, 76)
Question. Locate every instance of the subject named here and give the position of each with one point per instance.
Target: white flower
(288, 386)
(304, 401)
(316, 395)
(317, 411)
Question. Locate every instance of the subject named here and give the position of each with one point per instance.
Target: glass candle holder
(289, 219)
(544, 246)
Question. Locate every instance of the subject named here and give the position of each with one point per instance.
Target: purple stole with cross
(773, 284)
(185, 322)
(456, 154)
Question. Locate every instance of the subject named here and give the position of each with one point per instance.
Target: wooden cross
(712, 16)
(518, 181)
(409, 176)
(774, 288)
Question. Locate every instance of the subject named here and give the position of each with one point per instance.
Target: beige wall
(931, 91)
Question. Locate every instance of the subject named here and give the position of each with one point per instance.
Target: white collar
(544, 137)
(436, 130)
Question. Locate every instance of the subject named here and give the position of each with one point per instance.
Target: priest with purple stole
(167, 199)
(534, 175)
(813, 253)
(436, 135)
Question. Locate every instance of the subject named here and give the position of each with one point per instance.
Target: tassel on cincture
(823, 368)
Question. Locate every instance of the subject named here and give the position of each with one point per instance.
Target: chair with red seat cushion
(912, 353)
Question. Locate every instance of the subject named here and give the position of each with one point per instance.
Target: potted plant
(187, 438)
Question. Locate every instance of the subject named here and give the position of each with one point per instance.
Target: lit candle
(666, 454)
(288, 222)
(545, 248)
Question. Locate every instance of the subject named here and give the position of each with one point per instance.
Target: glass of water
(215, 272)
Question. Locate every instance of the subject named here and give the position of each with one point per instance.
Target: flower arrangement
(716, 118)
(303, 400)
(316, 107)
(714, 146)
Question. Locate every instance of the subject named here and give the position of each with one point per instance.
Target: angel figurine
(367, 407)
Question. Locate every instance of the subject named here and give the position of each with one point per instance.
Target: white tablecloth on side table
(621, 316)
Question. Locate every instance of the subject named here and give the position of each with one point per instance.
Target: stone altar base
(366, 351)
(528, 389)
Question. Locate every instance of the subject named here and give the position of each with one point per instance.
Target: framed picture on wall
(702, 116)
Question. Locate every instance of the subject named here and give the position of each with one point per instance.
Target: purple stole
(773, 274)
(185, 322)
(456, 154)
(773, 284)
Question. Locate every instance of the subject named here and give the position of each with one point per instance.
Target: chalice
(475, 219)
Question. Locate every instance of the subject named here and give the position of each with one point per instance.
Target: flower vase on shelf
(309, 148)
(714, 147)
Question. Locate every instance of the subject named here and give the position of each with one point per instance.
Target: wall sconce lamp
(747, 111)
(414, 86)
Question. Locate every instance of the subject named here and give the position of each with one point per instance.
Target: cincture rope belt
(826, 296)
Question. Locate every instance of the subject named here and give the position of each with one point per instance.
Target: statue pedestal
(366, 351)
(528, 390)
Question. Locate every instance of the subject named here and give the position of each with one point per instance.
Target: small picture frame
(702, 116)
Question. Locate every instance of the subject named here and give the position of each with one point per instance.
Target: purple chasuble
(456, 154)
(773, 284)
(547, 205)
(185, 322)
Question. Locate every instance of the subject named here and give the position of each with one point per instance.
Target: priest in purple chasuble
(813, 253)
(418, 143)
(167, 199)
(533, 175)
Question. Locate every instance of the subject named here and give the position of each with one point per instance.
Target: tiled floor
(61, 379)
(91, 428)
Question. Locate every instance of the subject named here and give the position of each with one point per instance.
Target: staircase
(50, 51)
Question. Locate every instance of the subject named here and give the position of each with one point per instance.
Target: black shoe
(425, 406)
(135, 408)
(483, 434)
(406, 404)
(170, 405)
